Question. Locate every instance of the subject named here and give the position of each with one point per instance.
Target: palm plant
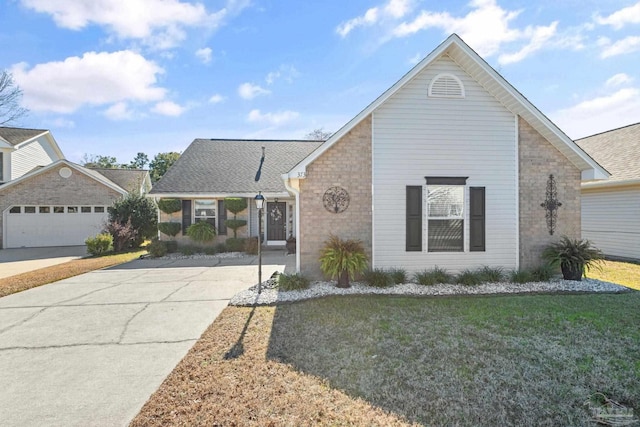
(574, 256)
(342, 259)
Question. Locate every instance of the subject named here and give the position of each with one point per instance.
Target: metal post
(259, 251)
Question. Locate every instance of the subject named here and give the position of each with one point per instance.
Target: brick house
(451, 166)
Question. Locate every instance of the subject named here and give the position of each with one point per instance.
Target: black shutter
(414, 218)
(186, 216)
(222, 217)
(476, 219)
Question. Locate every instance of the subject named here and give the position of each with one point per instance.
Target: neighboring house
(449, 167)
(22, 150)
(611, 208)
(63, 203)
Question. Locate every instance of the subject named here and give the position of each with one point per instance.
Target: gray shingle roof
(618, 150)
(15, 136)
(129, 179)
(229, 166)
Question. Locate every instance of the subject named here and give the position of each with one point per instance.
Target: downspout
(296, 194)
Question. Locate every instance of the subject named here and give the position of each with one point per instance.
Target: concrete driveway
(22, 260)
(90, 350)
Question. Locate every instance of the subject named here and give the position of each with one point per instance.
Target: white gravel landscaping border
(271, 295)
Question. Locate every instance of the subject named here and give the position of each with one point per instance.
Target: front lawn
(372, 360)
(22, 282)
(622, 273)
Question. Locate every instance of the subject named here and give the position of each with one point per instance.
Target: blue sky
(115, 77)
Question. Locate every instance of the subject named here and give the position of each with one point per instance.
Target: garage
(40, 226)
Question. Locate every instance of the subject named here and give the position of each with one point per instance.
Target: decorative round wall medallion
(65, 172)
(336, 199)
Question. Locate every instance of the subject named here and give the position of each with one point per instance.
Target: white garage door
(38, 226)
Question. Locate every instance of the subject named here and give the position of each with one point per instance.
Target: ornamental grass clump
(201, 232)
(520, 276)
(292, 282)
(378, 278)
(434, 276)
(398, 275)
(343, 259)
(491, 274)
(469, 278)
(574, 256)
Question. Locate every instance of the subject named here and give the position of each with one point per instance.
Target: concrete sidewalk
(22, 260)
(90, 350)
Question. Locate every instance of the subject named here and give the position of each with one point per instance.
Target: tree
(318, 134)
(98, 161)
(235, 205)
(139, 161)
(140, 212)
(161, 163)
(10, 95)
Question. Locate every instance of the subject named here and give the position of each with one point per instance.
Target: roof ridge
(258, 140)
(607, 131)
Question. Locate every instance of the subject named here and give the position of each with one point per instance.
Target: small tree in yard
(123, 235)
(138, 211)
(235, 205)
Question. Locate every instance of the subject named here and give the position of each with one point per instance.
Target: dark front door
(276, 216)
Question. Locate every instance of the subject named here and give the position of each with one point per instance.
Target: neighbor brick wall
(49, 189)
(539, 159)
(346, 164)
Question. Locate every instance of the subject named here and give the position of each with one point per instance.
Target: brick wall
(346, 164)
(539, 159)
(49, 189)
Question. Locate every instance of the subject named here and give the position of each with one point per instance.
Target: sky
(118, 77)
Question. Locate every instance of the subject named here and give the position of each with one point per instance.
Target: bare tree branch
(10, 96)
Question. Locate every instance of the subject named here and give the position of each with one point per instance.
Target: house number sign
(336, 199)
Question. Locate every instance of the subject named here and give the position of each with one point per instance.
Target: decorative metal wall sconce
(336, 199)
(551, 204)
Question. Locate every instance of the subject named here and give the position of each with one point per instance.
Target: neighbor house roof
(15, 136)
(496, 85)
(618, 150)
(229, 166)
(131, 180)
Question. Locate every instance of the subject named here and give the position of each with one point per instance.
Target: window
(44, 209)
(1, 166)
(15, 209)
(445, 211)
(205, 210)
(58, 209)
(72, 209)
(29, 209)
(446, 85)
(85, 209)
(98, 209)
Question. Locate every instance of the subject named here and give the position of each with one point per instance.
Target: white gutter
(296, 194)
(609, 183)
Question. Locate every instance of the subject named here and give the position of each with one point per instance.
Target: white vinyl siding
(30, 156)
(415, 136)
(611, 220)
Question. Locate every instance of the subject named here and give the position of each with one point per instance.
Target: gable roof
(15, 136)
(618, 150)
(497, 86)
(42, 169)
(132, 180)
(228, 167)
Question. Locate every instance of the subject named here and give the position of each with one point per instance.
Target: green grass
(469, 361)
(622, 273)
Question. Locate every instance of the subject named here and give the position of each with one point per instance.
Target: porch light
(259, 204)
(259, 201)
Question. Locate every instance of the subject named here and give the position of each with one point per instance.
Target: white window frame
(452, 216)
(211, 219)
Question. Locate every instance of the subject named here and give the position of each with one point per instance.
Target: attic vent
(446, 86)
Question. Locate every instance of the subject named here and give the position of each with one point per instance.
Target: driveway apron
(90, 350)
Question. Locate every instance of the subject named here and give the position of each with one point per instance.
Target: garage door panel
(53, 229)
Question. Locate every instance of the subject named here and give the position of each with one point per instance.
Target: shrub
(432, 277)
(441, 275)
(140, 211)
(292, 282)
(210, 250)
(172, 246)
(521, 276)
(251, 246)
(398, 275)
(100, 244)
(491, 274)
(342, 259)
(157, 248)
(170, 228)
(378, 278)
(469, 277)
(235, 245)
(201, 232)
(221, 248)
(170, 206)
(124, 235)
(543, 273)
(188, 250)
(235, 205)
(574, 256)
(234, 224)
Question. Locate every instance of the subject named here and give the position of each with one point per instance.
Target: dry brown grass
(32, 279)
(245, 388)
(622, 273)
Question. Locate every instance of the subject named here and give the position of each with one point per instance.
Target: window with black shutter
(414, 219)
(222, 217)
(186, 216)
(477, 219)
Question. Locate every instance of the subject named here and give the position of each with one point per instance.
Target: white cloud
(391, 10)
(627, 45)
(618, 19)
(119, 111)
(61, 122)
(538, 38)
(216, 98)
(286, 72)
(168, 108)
(250, 91)
(369, 18)
(415, 59)
(618, 80)
(600, 113)
(93, 79)
(204, 55)
(276, 119)
(397, 8)
(158, 23)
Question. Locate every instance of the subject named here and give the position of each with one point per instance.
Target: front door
(276, 221)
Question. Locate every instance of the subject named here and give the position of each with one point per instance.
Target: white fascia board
(610, 184)
(4, 144)
(267, 195)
